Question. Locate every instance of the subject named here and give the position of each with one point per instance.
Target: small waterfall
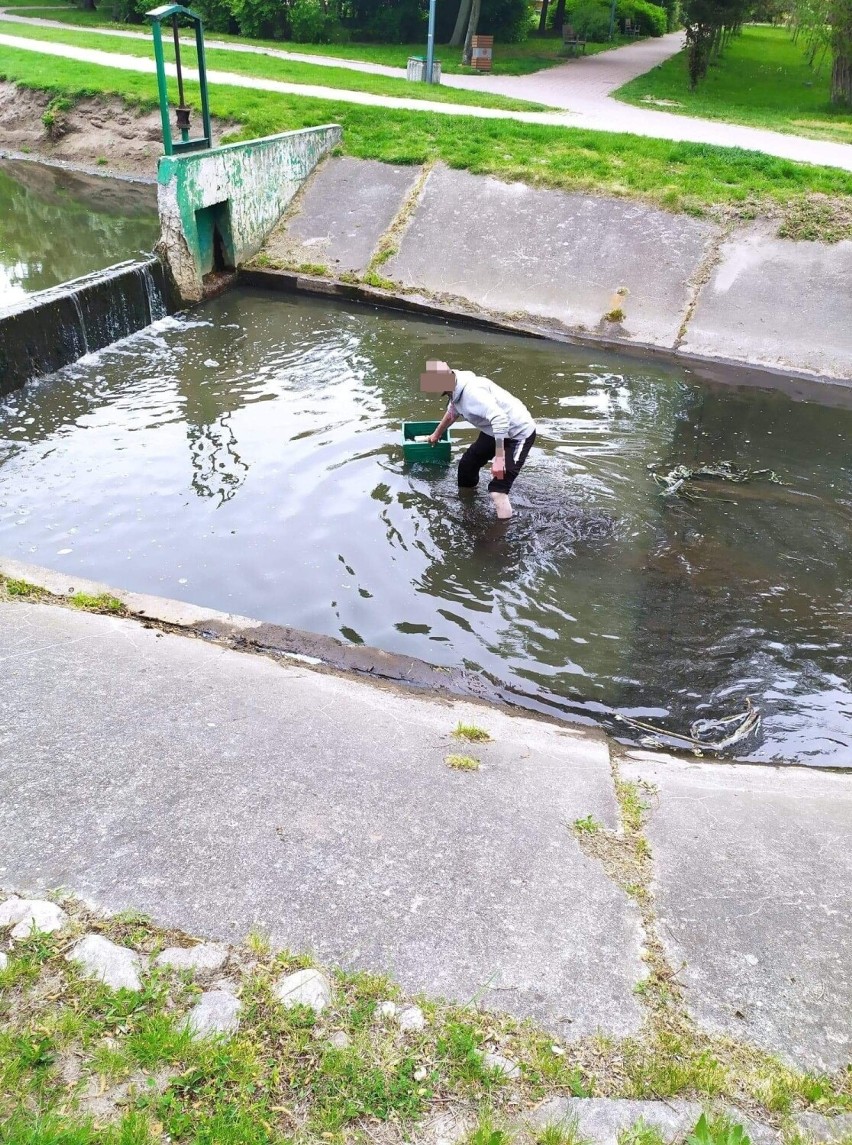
(55, 327)
(85, 340)
(157, 307)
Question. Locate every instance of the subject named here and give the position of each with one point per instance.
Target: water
(56, 225)
(247, 458)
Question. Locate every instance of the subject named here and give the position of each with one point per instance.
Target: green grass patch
(684, 176)
(282, 1077)
(471, 733)
(762, 80)
(103, 602)
(272, 68)
(462, 763)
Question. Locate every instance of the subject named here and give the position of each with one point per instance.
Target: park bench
(571, 41)
(631, 28)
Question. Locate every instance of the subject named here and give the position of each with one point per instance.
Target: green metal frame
(174, 13)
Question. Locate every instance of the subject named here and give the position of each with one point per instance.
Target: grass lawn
(509, 59)
(762, 80)
(679, 176)
(271, 67)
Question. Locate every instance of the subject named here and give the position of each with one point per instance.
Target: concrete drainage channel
(607, 272)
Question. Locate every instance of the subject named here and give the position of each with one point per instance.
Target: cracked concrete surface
(752, 876)
(219, 791)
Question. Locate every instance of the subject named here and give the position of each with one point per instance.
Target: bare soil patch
(104, 133)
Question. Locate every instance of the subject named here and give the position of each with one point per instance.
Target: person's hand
(498, 467)
(434, 438)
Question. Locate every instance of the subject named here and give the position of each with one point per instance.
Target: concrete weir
(80, 316)
(217, 207)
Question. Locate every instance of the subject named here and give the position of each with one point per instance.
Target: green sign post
(174, 14)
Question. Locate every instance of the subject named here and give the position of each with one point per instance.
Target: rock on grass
(31, 915)
(115, 966)
(304, 988)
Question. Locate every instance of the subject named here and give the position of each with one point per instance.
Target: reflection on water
(56, 225)
(247, 457)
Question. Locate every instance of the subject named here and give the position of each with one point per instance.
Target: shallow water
(56, 225)
(247, 457)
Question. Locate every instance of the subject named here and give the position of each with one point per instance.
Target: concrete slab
(219, 791)
(777, 303)
(753, 867)
(553, 255)
(343, 212)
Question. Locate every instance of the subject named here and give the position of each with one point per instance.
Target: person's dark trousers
(481, 452)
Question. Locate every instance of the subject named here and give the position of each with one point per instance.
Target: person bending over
(506, 429)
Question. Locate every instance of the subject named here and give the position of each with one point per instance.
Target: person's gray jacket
(489, 408)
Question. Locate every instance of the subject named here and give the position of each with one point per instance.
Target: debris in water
(673, 483)
(731, 728)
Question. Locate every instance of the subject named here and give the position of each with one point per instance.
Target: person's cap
(438, 378)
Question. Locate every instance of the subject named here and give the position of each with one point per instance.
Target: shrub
(309, 22)
(590, 21)
(262, 19)
(400, 23)
(216, 14)
(652, 19)
(506, 20)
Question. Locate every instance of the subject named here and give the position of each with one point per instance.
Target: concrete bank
(217, 791)
(608, 271)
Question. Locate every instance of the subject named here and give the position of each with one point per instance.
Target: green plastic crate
(422, 451)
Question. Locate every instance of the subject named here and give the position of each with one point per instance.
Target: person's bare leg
(503, 505)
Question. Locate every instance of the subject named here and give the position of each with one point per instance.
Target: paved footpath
(580, 88)
(219, 790)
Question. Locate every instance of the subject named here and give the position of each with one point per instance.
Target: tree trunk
(559, 17)
(542, 24)
(841, 80)
(461, 21)
(472, 24)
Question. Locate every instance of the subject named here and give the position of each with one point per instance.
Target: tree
(826, 27)
(472, 24)
(461, 21)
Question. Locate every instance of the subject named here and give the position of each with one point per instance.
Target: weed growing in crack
(462, 763)
(471, 733)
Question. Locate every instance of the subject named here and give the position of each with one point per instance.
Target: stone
(340, 1040)
(4, 960)
(205, 956)
(420, 1074)
(822, 1128)
(411, 1018)
(116, 966)
(304, 988)
(601, 1120)
(386, 1010)
(216, 1012)
(506, 1066)
(29, 915)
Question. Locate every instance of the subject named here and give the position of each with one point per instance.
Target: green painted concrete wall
(240, 190)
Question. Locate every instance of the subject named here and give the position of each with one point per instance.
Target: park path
(579, 88)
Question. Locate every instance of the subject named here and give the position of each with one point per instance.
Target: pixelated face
(438, 378)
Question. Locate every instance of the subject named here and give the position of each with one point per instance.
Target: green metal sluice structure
(175, 14)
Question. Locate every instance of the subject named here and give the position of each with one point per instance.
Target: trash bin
(416, 70)
(481, 52)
